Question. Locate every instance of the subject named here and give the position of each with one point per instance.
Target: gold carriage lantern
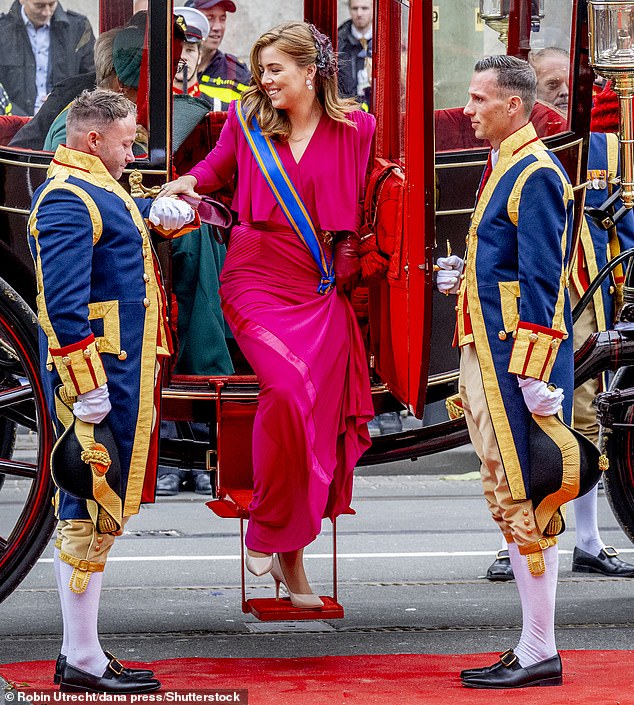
(495, 14)
(611, 34)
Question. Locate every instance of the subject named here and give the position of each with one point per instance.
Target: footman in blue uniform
(101, 308)
(514, 330)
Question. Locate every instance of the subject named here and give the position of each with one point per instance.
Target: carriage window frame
(553, 125)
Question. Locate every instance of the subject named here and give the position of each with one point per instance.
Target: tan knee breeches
(516, 519)
(81, 546)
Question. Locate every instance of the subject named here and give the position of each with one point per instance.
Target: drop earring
(309, 84)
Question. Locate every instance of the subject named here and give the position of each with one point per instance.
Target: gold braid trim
(83, 569)
(556, 524)
(107, 500)
(535, 556)
(98, 458)
(66, 397)
(106, 524)
(569, 450)
(454, 406)
(536, 563)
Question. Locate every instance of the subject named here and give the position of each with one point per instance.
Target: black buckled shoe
(509, 673)
(468, 672)
(140, 672)
(607, 563)
(500, 569)
(115, 679)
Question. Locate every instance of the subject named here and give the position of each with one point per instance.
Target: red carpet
(590, 678)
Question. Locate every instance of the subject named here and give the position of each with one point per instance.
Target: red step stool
(234, 489)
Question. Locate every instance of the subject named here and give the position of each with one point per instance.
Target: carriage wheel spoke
(18, 469)
(15, 395)
(16, 404)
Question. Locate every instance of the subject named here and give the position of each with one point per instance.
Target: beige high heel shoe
(258, 565)
(310, 601)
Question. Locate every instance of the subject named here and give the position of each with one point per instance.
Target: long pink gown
(305, 348)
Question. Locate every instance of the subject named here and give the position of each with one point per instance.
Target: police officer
(222, 77)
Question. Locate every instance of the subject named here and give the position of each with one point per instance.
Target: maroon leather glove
(347, 261)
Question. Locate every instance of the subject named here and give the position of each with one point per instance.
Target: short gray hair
(549, 51)
(514, 77)
(97, 109)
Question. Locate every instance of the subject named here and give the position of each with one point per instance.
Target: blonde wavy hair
(297, 40)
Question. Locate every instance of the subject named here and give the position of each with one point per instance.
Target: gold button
(526, 512)
(611, 290)
(555, 344)
(49, 367)
(123, 355)
(66, 360)
(462, 276)
(128, 205)
(527, 522)
(146, 302)
(514, 334)
(565, 336)
(97, 549)
(529, 531)
(533, 337)
(87, 352)
(99, 539)
(109, 188)
(146, 277)
(97, 344)
(502, 335)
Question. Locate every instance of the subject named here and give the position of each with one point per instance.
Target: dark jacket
(223, 80)
(351, 61)
(33, 134)
(70, 53)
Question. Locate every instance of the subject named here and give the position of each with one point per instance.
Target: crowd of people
(295, 146)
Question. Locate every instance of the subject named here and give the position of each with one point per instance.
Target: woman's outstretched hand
(183, 185)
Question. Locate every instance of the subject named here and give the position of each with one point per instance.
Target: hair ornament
(326, 60)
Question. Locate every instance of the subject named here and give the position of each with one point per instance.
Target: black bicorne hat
(85, 464)
(564, 465)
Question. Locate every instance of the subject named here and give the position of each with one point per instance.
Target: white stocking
(81, 611)
(58, 579)
(586, 525)
(537, 595)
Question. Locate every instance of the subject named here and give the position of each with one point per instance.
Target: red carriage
(424, 173)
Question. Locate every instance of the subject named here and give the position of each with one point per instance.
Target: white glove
(93, 406)
(171, 213)
(539, 399)
(448, 276)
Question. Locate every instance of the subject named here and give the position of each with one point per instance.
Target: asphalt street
(411, 567)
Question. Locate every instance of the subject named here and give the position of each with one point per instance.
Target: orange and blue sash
(287, 197)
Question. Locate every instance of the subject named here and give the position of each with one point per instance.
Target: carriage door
(402, 187)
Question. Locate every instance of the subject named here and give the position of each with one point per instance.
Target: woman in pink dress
(297, 330)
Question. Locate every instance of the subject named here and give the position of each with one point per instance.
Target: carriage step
(270, 609)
